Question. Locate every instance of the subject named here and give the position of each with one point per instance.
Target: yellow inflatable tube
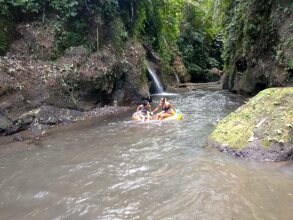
(175, 116)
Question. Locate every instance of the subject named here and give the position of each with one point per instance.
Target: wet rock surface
(38, 120)
(261, 130)
(256, 151)
(5, 123)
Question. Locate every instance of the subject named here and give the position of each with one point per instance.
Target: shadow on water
(118, 169)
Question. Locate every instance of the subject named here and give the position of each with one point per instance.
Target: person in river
(167, 110)
(143, 112)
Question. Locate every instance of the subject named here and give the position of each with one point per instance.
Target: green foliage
(169, 27)
(290, 64)
(66, 8)
(139, 23)
(251, 28)
(196, 44)
(6, 34)
(117, 34)
(25, 6)
(75, 34)
(234, 22)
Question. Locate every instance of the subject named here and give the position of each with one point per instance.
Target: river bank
(37, 91)
(36, 123)
(217, 85)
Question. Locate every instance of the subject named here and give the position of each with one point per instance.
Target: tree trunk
(98, 43)
(98, 38)
(132, 11)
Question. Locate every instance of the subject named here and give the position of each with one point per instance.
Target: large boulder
(262, 129)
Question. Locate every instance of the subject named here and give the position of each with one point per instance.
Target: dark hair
(146, 101)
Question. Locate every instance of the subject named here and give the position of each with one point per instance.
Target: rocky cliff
(78, 80)
(258, 46)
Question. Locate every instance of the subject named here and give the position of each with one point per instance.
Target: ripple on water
(129, 170)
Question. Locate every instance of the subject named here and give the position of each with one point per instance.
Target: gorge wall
(258, 45)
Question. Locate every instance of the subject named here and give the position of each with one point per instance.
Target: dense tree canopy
(193, 28)
(169, 27)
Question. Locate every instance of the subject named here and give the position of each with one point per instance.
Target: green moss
(117, 34)
(290, 43)
(290, 63)
(229, 130)
(6, 35)
(141, 80)
(267, 117)
(251, 32)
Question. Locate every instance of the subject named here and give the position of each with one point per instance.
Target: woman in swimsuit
(167, 109)
(143, 111)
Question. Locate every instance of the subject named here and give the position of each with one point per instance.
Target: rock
(4, 124)
(151, 54)
(17, 137)
(259, 129)
(181, 86)
(45, 92)
(79, 51)
(249, 71)
(180, 69)
(37, 129)
(119, 97)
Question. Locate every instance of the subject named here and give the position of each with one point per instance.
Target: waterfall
(158, 84)
(177, 78)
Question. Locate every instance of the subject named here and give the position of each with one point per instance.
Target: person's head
(146, 103)
(162, 101)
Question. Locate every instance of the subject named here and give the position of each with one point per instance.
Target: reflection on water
(118, 169)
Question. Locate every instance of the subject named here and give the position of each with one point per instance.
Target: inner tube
(176, 116)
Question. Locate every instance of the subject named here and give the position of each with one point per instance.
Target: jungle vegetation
(205, 33)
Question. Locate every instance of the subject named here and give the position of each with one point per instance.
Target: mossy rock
(6, 35)
(262, 129)
(4, 124)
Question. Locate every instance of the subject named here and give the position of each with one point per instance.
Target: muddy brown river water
(118, 169)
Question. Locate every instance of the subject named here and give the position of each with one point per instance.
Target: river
(117, 169)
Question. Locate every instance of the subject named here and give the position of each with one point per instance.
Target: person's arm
(148, 116)
(150, 109)
(139, 108)
(156, 109)
(172, 107)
